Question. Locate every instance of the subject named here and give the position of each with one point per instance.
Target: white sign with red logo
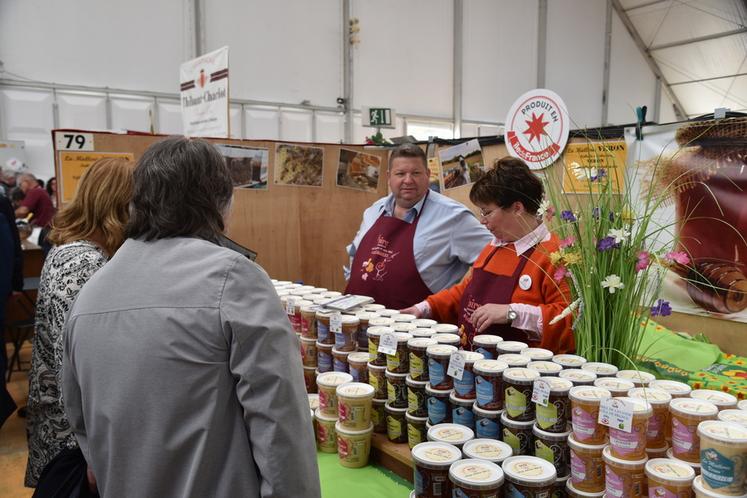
(204, 95)
(537, 128)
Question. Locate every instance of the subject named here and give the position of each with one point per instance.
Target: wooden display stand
(392, 456)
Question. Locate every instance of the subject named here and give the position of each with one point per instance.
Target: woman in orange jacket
(510, 290)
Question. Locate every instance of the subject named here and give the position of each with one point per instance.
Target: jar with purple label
(487, 423)
(461, 411)
(465, 387)
(340, 360)
(324, 357)
(438, 405)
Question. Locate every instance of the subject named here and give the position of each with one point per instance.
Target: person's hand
(91, 480)
(489, 314)
(413, 310)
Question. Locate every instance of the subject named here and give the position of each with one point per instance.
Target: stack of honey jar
(479, 430)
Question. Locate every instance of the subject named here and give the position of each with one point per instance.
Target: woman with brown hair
(86, 233)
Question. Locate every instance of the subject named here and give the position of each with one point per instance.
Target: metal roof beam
(679, 109)
(703, 80)
(640, 6)
(699, 39)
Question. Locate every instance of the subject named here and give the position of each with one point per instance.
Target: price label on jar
(541, 392)
(616, 413)
(335, 323)
(456, 366)
(290, 306)
(388, 344)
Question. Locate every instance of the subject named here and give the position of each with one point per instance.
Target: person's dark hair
(407, 150)
(509, 181)
(49, 186)
(182, 188)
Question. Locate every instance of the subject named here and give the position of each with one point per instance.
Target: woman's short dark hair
(182, 188)
(509, 181)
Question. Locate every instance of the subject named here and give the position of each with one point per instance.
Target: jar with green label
(518, 435)
(396, 389)
(416, 397)
(374, 333)
(399, 362)
(518, 384)
(396, 424)
(553, 447)
(418, 358)
(378, 416)
(416, 431)
(556, 415)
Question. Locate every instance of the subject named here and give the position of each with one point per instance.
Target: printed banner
(74, 164)
(590, 166)
(204, 95)
(461, 164)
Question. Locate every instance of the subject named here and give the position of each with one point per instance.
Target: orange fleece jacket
(550, 296)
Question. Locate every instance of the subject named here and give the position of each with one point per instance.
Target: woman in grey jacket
(181, 373)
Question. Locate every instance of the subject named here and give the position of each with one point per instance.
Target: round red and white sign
(537, 128)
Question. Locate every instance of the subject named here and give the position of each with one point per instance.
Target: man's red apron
(489, 288)
(384, 264)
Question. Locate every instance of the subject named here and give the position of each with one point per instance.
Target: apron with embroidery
(489, 288)
(384, 265)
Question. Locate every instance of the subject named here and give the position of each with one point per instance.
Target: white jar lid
(690, 406)
(514, 359)
(447, 338)
(672, 387)
(402, 337)
(636, 376)
(588, 393)
(355, 390)
(626, 464)
(321, 416)
(742, 405)
(481, 412)
(529, 470)
(486, 340)
(487, 449)
(358, 357)
(728, 433)
(489, 366)
(403, 317)
(374, 307)
(388, 313)
(424, 323)
(423, 332)
(436, 454)
(471, 356)
(380, 321)
(558, 385)
(640, 406)
(614, 385)
(450, 433)
(575, 375)
(313, 401)
(349, 320)
(520, 375)
(569, 360)
(420, 342)
(600, 368)
(403, 326)
(445, 328)
(515, 424)
(735, 416)
(653, 396)
(513, 346)
(670, 470)
(456, 400)
(700, 490)
(537, 354)
(476, 474)
(718, 398)
(366, 315)
(333, 379)
(582, 494)
(378, 331)
(440, 350)
(544, 367)
(578, 445)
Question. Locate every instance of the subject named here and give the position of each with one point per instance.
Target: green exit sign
(378, 117)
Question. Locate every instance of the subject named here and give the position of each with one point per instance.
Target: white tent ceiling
(698, 47)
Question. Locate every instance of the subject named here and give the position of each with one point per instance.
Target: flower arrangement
(612, 254)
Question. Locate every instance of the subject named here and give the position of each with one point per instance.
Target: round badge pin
(525, 282)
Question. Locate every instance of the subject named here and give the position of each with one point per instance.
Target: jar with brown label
(486, 345)
(624, 478)
(553, 447)
(489, 383)
(617, 387)
(416, 397)
(347, 338)
(324, 360)
(475, 478)
(579, 377)
(374, 336)
(587, 466)
(432, 461)
(518, 435)
(377, 378)
(686, 414)
(399, 362)
(585, 401)
(556, 415)
(659, 401)
(439, 356)
(358, 366)
(510, 347)
(465, 387)
(528, 476)
(378, 416)
(416, 430)
(517, 385)
(669, 478)
(418, 359)
(396, 424)
(438, 405)
(308, 320)
(309, 377)
(396, 389)
(308, 352)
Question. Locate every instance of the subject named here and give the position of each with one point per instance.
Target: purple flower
(661, 308)
(601, 173)
(595, 213)
(607, 243)
(567, 216)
